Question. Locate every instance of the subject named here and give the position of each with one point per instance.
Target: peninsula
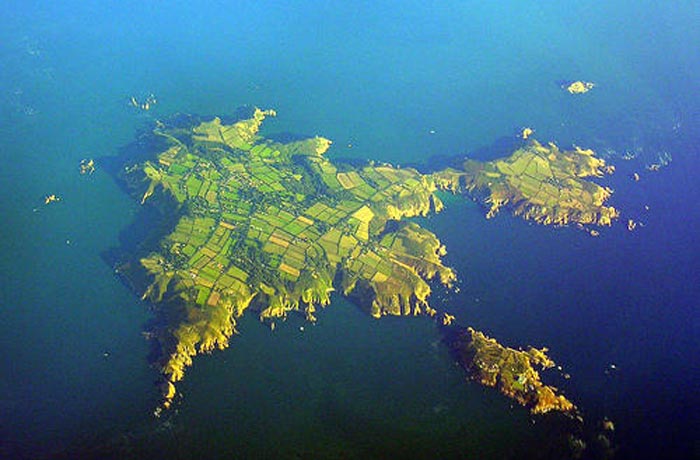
(270, 227)
(512, 371)
(538, 182)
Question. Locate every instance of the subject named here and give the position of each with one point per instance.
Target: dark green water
(380, 76)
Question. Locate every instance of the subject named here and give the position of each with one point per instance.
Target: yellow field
(364, 214)
(289, 270)
(278, 241)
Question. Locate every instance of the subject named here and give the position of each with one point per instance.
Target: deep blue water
(379, 76)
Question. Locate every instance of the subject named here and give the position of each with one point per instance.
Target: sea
(406, 82)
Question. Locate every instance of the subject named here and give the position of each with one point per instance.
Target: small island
(578, 87)
(272, 227)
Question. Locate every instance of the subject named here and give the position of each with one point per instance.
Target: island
(578, 87)
(271, 227)
(512, 371)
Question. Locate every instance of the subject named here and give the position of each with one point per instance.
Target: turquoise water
(379, 76)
